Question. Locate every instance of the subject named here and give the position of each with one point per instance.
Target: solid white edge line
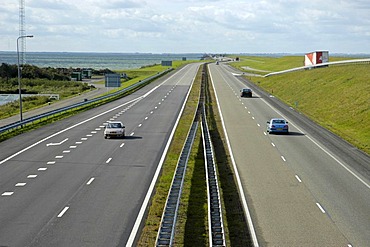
(145, 204)
(90, 181)
(240, 187)
(64, 130)
(319, 146)
(320, 207)
(63, 212)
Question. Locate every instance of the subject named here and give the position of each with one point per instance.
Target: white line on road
(108, 160)
(42, 169)
(7, 193)
(90, 181)
(72, 147)
(78, 143)
(57, 143)
(122, 145)
(66, 151)
(20, 184)
(63, 212)
(282, 157)
(298, 178)
(83, 139)
(272, 144)
(139, 125)
(59, 156)
(320, 207)
(51, 163)
(132, 133)
(32, 176)
(146, 118)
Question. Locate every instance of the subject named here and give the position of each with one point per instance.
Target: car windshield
(114, 125)
(278, 121)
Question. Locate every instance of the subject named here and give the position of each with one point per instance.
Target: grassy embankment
(336, 97)
(192, 226)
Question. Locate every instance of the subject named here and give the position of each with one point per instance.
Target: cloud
(191, 25)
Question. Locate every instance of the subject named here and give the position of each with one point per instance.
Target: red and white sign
(316, 57)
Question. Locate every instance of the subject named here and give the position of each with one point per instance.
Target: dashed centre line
(90, 181)
(20, 184)
(108, 160)
(7, 193)
(63, 212)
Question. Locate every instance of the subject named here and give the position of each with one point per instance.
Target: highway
(308, 188)
(65, 185)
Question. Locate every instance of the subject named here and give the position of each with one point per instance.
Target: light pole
(19, 74)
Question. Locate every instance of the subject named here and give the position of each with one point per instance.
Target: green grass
(336, 97)
(152, 224)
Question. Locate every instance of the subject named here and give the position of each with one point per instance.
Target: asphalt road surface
(65, 185)
(308, 188)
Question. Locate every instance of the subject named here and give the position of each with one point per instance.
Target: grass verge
(152, 224)
(236, 227)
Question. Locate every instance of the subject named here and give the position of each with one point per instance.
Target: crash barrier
(86, 102)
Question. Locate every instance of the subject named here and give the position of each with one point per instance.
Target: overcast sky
(187, 26)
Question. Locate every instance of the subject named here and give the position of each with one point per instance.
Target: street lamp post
(19, 74)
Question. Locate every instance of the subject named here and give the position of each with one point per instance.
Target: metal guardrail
(166, 233)
(366, 60)
(215, 222)
(81, 104)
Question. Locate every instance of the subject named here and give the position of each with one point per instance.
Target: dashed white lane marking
(132, 133)
(97, 129)
(159, 103)
(7, 193)
(50, 163)
(66, 151)
(108, 160)
(298, 178)
(265, 133)
(83, 139)
(146, 118)
(78, 143)
(42, 169)
(72, 147)
(101, 126)
(252, 117)
(89, 135)
(32, 176)
(283, 158)
(90, 181)
(273, 144)
(122, 145)
(20, 184)
(93, 132)
(151, 112)
(320, 207)
(63, 212)
(156, 107)
(249, 112)
(139, 125)
(258, 125)
(59, 156)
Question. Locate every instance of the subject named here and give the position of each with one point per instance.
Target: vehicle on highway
(277, 125)
(246, 92)
(114, 129)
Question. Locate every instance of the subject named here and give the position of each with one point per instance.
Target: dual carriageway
(64, 185)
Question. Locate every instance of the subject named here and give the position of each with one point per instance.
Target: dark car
(246, 92)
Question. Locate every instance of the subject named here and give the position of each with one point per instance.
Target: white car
(277, 125)
(114, 129)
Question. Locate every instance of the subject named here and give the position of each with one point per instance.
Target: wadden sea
(112, 61)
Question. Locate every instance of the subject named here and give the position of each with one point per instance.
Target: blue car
(277, 125)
